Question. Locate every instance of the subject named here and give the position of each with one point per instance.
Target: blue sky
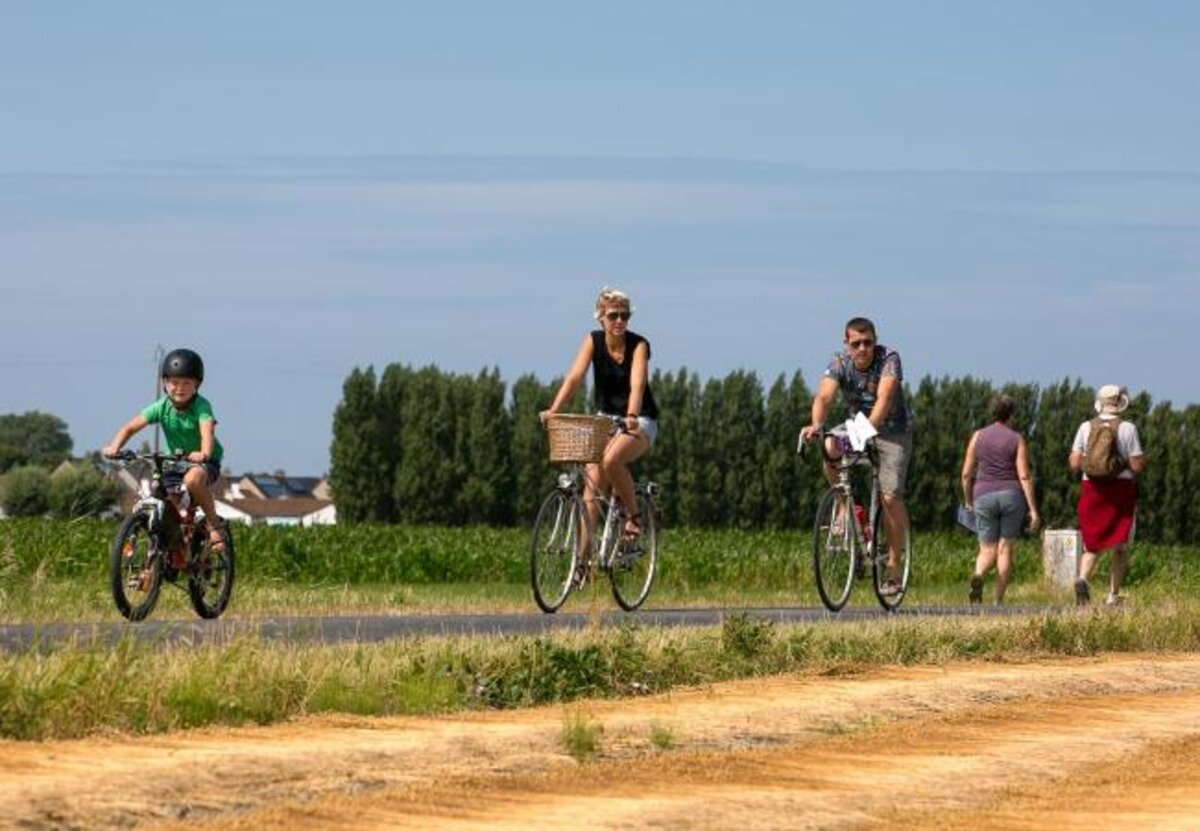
(1011, 190)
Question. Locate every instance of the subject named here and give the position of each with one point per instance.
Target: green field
(57, 570)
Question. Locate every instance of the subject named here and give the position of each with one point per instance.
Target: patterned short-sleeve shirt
(860, 389)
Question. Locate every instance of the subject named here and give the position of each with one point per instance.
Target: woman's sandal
(633, 529)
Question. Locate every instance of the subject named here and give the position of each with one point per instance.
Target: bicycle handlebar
(820, 434)
(159, 460)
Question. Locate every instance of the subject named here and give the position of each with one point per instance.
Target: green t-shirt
(182, 427)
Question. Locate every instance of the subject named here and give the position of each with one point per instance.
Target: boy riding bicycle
(189, 427)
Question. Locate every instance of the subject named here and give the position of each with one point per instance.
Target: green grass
(76, 690)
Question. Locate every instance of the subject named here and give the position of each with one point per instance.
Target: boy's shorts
(173, 479)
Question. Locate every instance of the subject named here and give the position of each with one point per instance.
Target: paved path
(372, 628)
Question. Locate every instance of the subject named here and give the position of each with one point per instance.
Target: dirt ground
(1083, 743)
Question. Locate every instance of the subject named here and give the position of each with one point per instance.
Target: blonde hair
(610, 296)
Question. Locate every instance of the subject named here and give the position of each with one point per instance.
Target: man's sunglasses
(865, 343)
(613, 316)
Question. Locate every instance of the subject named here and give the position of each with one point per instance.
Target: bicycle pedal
(580, 578)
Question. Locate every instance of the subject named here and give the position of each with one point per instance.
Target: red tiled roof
(263, 508)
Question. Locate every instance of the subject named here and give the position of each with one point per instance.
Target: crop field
(782, 723)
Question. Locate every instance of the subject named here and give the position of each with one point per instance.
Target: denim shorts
(999, 515)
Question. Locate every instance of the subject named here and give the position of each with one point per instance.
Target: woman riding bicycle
(620, 368)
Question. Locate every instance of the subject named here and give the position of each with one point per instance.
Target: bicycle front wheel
(558, 535)
(890, 586)
(634, 563)
(135, 568)
(210, 572)
(834, 549)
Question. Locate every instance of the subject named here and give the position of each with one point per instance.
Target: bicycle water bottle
(860, 514)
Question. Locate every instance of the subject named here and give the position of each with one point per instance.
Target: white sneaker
(1113, 600)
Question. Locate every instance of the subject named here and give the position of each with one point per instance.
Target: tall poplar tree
(425, 479)
(529, 457)
(487, 492)
(358, 472)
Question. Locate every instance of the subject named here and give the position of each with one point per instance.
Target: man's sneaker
(976, 595)
(1083, 595)
(1113, 600)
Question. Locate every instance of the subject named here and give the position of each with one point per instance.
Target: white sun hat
(1111, 399)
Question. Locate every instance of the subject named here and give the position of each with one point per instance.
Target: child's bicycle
(567, 549)
(166, 536)
(849, 539)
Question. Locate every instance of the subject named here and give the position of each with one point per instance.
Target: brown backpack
(1102, 456)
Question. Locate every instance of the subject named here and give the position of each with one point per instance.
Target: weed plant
(662, 737)
(581, 735)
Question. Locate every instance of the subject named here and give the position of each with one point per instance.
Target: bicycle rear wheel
(835, 545)
(210, 572)
(135, 567)
(889, 596)
(557, 546)
(633, 565)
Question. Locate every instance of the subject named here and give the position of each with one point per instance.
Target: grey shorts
(999, 515)
(894, 452)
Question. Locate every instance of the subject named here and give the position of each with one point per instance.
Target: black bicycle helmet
(183, 363)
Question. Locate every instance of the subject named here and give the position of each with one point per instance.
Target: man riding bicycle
(871, 380)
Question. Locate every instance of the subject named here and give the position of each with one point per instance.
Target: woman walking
(998, 489)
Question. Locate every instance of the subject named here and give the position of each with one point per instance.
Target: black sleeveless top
(611, 379)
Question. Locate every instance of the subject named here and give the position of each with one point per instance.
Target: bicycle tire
(555, 551)
(834, 550)
(890, 602)
(631, 573)
(135, 563)
(210, 573)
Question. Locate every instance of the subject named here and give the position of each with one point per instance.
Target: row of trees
(426, 446)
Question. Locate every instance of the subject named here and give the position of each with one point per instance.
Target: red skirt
(1106, 510)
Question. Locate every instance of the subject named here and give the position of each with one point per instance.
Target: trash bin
(1060, 557)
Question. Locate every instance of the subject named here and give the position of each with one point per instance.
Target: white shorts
(646, 426)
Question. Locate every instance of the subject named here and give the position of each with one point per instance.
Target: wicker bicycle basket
(578, 438)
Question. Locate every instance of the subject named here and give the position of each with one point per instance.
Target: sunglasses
(865, 343)
(612, 316)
